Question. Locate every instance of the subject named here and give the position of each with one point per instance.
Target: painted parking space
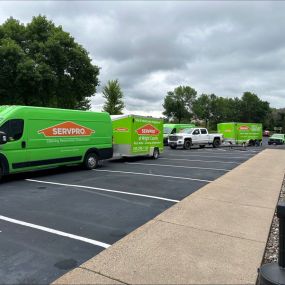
(102, 205)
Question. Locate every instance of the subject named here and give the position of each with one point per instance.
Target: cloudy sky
(151, 47)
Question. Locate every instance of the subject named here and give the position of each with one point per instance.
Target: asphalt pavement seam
(155, 175)
(199, 160)
(178, 166)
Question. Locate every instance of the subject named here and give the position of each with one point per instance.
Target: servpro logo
(244, 128)
(121, 129)
(148, 130)
(66, 129)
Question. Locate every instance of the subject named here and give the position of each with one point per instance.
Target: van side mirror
(3, 138)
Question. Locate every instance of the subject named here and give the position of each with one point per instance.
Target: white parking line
(155, 175)
(56, 232)
(199, 160)
(104, 190)
(178, 166)
(205, 156)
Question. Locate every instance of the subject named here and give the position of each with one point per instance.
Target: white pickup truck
(194, 136)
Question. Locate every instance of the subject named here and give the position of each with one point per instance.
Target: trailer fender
(4, 163)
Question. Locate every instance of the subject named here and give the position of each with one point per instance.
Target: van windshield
(186, 131)
(167, 130)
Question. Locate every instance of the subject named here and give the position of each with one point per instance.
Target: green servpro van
(169, 129)
(135, 135)
(241, 133)
(34, 138)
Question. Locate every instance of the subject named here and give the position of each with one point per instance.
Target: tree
(253, 109)
(202, 108)
(113, 94)
(41, 65)
(178, 103)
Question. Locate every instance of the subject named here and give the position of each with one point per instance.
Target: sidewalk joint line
(209, 231)
(234, 203)
(93, 271)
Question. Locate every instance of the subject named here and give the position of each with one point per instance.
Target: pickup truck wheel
(173, 146)
(201, 145)
(155, 154)
(216, 143)
(91, 161)
(187, 144)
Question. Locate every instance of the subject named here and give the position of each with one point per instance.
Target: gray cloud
(223, 47)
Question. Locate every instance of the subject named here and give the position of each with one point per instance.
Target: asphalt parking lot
(52, 221)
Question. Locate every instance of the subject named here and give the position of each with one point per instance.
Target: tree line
(184, 105)
(42, 65)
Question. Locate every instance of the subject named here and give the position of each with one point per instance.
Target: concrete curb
(215, 236)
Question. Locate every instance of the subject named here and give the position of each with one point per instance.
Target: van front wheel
(91, 161)
(1, 173)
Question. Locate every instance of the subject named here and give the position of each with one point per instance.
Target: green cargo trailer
(169, 129)
(241, 133)
(135, 135)
(34, 138)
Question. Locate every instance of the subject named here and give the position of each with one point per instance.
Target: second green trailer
(135, 135)
(241, 133)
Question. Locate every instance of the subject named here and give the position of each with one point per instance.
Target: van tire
(155, 154)
(201, 145)
(216, 143)
(173, 146)
(1, 173)
(91, 161)
(187, 144)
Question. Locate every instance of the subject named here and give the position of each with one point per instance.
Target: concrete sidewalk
(215, 236)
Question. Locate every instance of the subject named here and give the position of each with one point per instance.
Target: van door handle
(23, 144)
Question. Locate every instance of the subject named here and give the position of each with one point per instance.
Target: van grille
(173, 138)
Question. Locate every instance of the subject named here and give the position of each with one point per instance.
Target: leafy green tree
(202, 108)
(113, 94)
(178, 104)
(41, 65)
(253, 109)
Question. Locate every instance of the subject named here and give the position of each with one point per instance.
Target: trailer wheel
(216, 143)
(91, 161)
(187, 144)
(155, 154)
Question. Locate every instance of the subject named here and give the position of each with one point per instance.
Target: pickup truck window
(196, 132)
(203, 131)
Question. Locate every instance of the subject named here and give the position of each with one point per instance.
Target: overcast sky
(151, 47)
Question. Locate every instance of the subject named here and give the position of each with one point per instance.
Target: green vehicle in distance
(241, 133)
(33, 138)
(135, 135)
(276, 139)
(169, 129)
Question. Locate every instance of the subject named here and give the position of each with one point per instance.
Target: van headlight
(180, 137)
